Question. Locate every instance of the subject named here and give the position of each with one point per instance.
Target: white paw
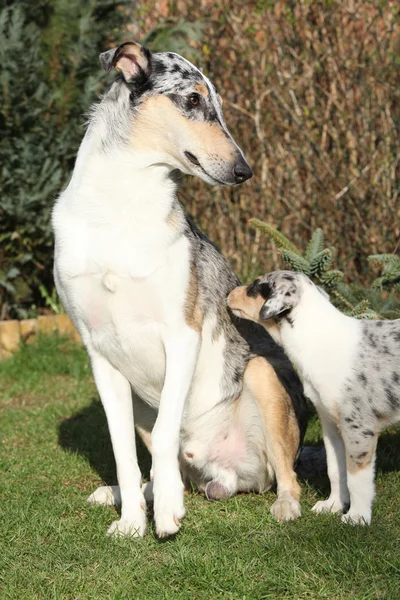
(169, 507)
(286, 508)
(329, 505)
(133, 527)
(105, 495)
(354, 518)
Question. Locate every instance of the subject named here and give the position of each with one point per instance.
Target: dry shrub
(311, 93)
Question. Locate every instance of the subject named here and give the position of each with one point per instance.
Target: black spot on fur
(253, 290)
(395, 377)
(377, 414)
(288, 277)
(363, 378)
(237, 375)
(396, 336)
(176, 69)
(348, 420)
(266, 290)
(379, 324)
(159, 68)
(392, 397)
(362, 455)
(354, 426)
(368, 433)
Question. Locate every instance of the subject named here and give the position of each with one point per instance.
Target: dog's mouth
(195, 161)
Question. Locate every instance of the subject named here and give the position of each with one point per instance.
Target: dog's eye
(194, 99)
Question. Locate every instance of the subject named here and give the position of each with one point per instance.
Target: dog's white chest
(124, 301)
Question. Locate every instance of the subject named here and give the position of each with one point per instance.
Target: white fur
(122, 277)
(322, 343)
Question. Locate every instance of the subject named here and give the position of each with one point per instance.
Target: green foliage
(391, 270)
(175, 35)
(316, 262)
(50, 75)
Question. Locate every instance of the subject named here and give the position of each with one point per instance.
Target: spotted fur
(350, 370)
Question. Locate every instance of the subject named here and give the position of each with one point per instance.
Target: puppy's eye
(194, 99)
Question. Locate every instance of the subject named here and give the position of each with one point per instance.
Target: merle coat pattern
(350, 370)
(214, 398)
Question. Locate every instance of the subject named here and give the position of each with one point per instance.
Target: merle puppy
(350, 370)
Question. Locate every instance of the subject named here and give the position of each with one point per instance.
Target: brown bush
(311, 93)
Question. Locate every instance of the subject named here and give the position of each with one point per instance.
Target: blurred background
(311, 94)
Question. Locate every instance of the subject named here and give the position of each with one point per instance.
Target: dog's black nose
(242, 171)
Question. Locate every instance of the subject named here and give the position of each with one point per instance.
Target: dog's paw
(354, 518)
(286, 508)
(169, 508)
(329, 505)
(106, 496)
(134, 527)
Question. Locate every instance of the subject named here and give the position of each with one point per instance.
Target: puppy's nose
(242, 171)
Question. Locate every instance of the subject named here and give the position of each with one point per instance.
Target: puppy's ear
(279, 302)
(133, 60)
(269, 312)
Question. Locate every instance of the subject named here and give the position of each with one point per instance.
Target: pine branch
(276, 236)
(315, 245)
(296, 262)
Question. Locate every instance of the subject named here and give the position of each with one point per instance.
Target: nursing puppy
(350, 370)
(212, 398)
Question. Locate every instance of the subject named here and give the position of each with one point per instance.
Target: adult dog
(147, 292)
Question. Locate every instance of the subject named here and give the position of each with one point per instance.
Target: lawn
(55, 450)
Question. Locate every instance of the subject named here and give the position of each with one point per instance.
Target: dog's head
(269, 300)
(174, 113)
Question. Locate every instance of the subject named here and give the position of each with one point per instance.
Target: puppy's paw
(286, 508)
(106, 496)
(354, 518)
(329, 505)
(132, 527)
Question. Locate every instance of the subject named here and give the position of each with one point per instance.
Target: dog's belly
(124, 321)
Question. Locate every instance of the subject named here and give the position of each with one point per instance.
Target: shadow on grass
(86, 433)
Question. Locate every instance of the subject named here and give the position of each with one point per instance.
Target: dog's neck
(120, 179)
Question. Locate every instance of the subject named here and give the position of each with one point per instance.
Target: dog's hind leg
(360, 448)
(115, 394)
(281, 433)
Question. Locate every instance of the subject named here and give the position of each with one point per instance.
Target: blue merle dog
(214, 400)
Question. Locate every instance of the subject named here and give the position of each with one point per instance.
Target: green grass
(55, 450)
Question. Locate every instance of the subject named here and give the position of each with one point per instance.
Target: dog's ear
(280, 301)
(270, 309)
(132, 59)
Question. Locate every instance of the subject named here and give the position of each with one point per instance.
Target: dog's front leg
(181, 354)
(115, 394)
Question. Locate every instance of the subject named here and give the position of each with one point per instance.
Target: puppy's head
(269, 300)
